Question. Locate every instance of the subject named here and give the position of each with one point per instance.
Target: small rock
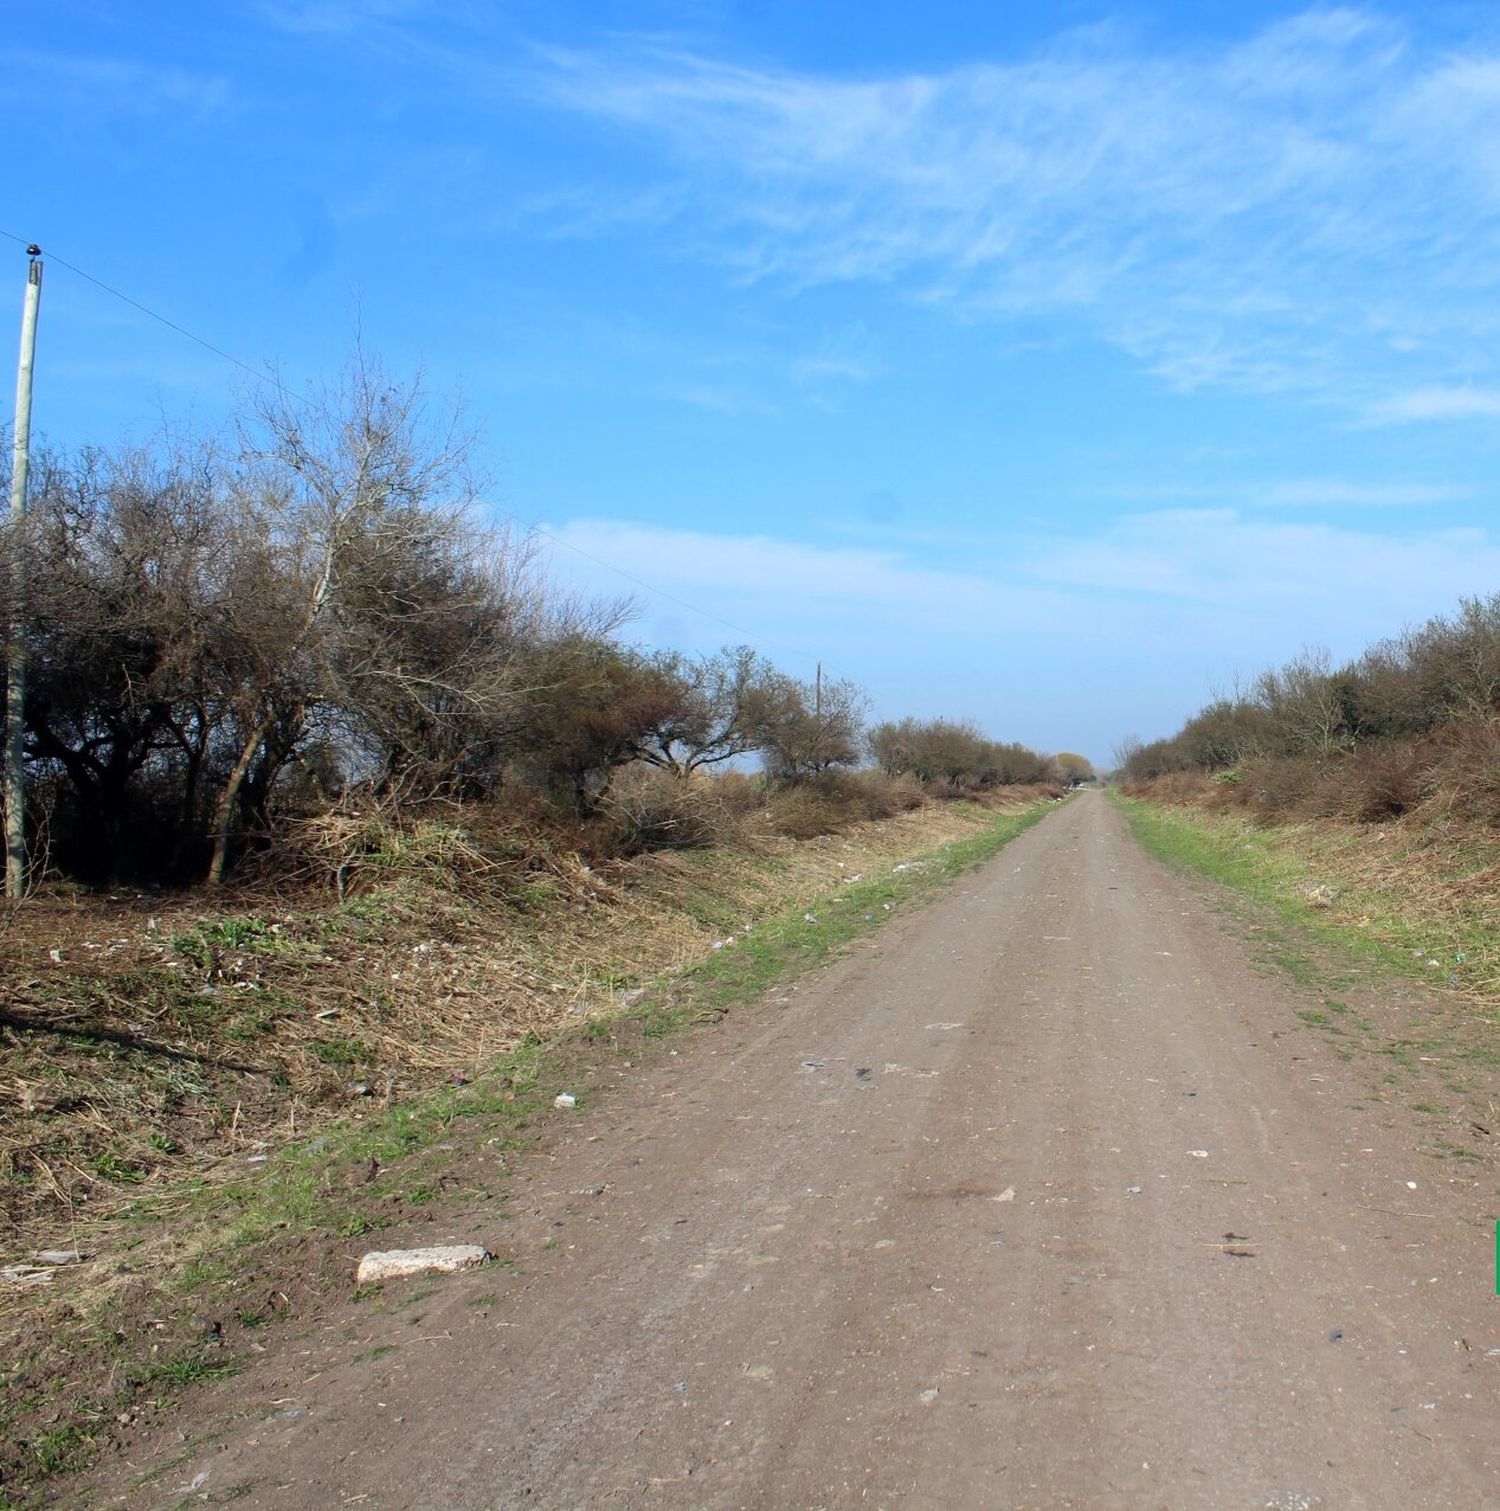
(391, 1264)
(565, 1099)
(57, 1256)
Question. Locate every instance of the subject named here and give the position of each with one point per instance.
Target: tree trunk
(225, 808)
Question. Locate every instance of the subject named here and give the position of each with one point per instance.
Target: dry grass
(1408, 862)
(150, 1039)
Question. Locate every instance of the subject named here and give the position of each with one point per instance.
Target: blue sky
(1050, 368)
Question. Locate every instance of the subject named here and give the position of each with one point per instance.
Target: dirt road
(1043, 1198)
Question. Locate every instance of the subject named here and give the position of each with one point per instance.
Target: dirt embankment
(1423, 884)
(156, 1048)
(1045, 1196)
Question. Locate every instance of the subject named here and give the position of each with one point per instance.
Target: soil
(1044, 1196)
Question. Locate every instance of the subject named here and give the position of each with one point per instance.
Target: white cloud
(1312, 208)
(1067, 642)
(85, 88)
(1337, 492)
(1438, 404)
(1316, 580)
(337, 18)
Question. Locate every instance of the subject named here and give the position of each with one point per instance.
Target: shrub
(650, 809)
(1383, 780)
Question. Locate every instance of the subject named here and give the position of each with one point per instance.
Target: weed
(1444, 1150)
(379, 1351)
(341, 1051)
(62, 1450)
(182, 1369)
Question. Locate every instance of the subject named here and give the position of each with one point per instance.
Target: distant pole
(818, 719)
(15, 655)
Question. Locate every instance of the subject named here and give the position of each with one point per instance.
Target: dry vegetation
(1378, 781)
(148, 1036)
(185, 1078)
(334, 804)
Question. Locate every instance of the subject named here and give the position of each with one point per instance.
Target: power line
(267, 377)
(172, 325)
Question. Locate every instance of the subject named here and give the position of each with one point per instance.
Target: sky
(1055, 367)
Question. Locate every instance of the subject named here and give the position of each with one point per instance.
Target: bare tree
(798, 736)
(345, 498)
(712, 716)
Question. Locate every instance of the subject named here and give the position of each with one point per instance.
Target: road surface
(1045, 1197)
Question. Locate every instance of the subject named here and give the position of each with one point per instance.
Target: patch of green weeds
(185, 1368)
(111, 1167)
(1245, 861)
(202, 1271)
(341, 1051)
(369, 1355)
(62, 1450)
(1444, 1150)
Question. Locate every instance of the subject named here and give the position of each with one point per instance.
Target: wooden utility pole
(15, 650)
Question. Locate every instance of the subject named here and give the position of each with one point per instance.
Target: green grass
(788, 945)
(1251, 865)
(1268, 884)
(320, 1185)
(184, 1368)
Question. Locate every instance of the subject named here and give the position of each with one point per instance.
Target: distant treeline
(1413, 716)
(227, 639)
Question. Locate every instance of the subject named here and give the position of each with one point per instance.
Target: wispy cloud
(1333, 492)
(1310, 209)
(337, 18)
(1328, 581)
(89, 87)
(1147, 613)
(1438, 404)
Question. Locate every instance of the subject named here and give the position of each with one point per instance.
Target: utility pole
(15, 651)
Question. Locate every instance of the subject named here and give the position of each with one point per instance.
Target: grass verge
(1305, 880)
(1406, 984)
(198, 1268)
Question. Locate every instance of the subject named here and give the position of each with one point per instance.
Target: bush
(1383, 780)
(648, 809)
(839, 799)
